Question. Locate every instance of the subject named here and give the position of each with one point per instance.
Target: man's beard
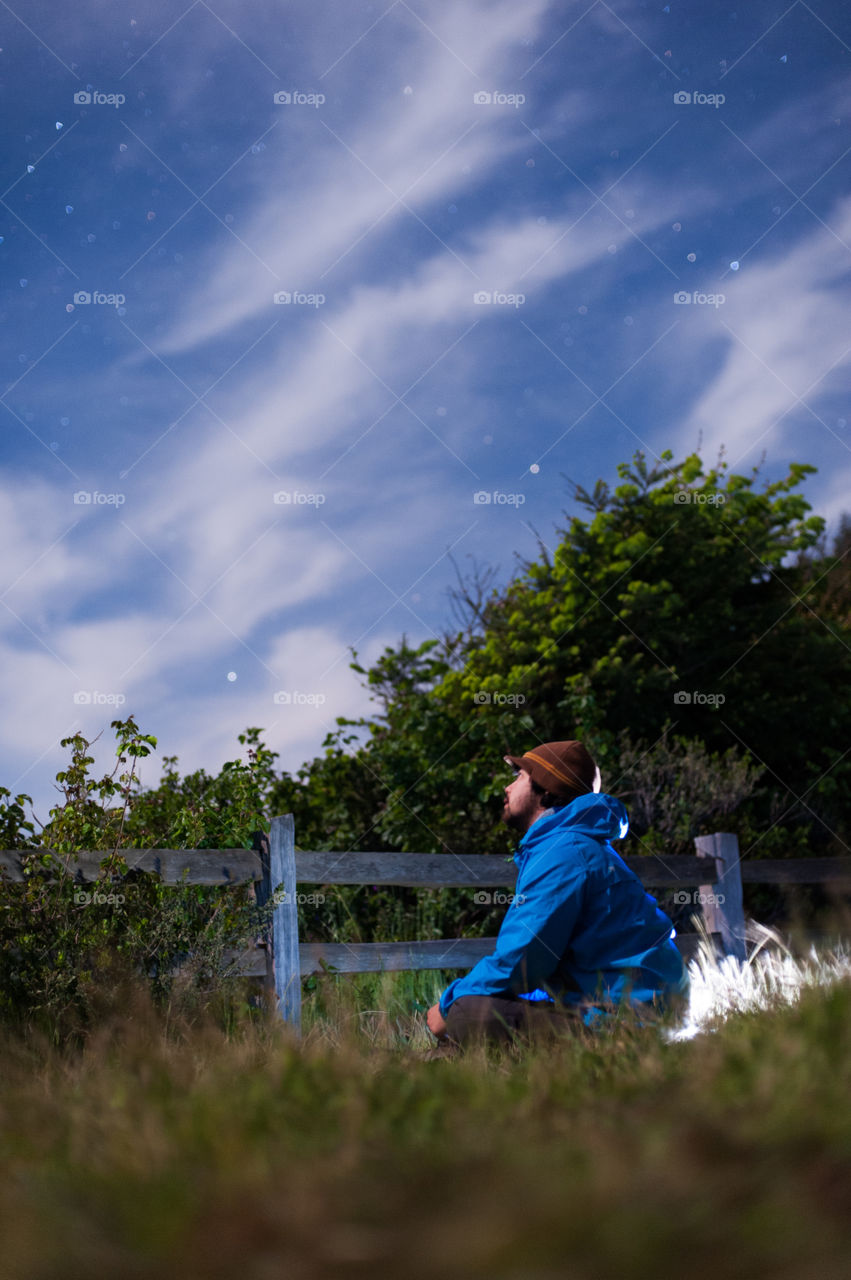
(516, 821)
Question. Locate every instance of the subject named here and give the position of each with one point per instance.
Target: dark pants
(474, 1019)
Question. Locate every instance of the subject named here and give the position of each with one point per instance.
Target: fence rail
(173, 866)
(412, 870)
(276, 869)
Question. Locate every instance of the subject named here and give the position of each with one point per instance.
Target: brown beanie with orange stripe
(564, 769)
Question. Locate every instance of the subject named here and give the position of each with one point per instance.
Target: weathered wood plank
(282, 873)
(201, 866)
(834, 871)
(262, 892)
(414, 870)
(417, 870)
(668, 872)
(721, 902)
(449, 870)
(390, 957)
(250, 963)
(445, 953)
(376, 957)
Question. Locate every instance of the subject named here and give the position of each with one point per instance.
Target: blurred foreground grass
(166, 1150)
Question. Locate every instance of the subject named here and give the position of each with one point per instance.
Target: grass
(175, 1149)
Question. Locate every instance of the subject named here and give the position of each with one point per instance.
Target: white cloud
(307, 220)
(785, 324)
(202, 731)
(298, 412)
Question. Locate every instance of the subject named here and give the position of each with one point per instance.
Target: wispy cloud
(786, 350)
(384, 407)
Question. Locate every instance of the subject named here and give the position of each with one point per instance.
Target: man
(581, 935)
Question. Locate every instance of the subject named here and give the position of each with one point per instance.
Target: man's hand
(436, 1022)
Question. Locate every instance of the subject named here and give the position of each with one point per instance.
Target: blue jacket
(581, 924)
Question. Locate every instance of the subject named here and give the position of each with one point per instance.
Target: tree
(685, 600)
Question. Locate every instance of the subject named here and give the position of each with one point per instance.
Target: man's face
(522, 806)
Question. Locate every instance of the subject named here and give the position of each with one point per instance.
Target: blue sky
(477, 219)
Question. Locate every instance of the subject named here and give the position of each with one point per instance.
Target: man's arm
(535, 932)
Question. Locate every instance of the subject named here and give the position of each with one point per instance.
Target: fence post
(723, 907)
(279, 869)
(262, 893)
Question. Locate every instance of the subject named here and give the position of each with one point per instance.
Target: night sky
(300, 300)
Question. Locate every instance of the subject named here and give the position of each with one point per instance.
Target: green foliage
(17, 831)
(675, 789)
(204, 812)
(679, 580)
(653, 596)
(676, 580)
(63, 942)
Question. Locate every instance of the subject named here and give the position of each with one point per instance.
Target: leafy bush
(677, 789)
(723, 612)
(65, 943)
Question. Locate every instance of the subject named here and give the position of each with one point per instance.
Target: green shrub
(65, 944)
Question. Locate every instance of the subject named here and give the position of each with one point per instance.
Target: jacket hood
(597, 815)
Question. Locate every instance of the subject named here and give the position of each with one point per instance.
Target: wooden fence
(711, 880)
